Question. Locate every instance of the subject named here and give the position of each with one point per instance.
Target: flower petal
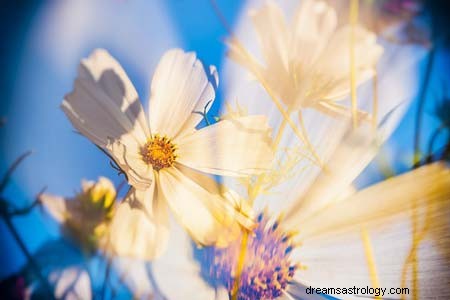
(102, 68)
(406, 219)
(209, 218)
(134, 275)
(350, 157)
(72, 283)
(314, 23)
(139, 230)
(367, 52)
(126, 153)
(179, 261)
(104, 107)
(237, 147)
(103, 104)
(171, 109)
(243, 212)
(426, 185)
(56, 206)
(270, 25)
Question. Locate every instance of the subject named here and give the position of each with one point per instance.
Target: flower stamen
(159, 152)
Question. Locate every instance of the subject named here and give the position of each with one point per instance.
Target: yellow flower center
(159, 152)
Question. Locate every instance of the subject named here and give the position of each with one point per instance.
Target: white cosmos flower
(306, 60)
(159, 154)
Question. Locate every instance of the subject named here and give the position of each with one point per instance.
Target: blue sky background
(41, 47)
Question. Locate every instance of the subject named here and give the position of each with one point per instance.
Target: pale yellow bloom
(84, 217)
(306, 60)
(159, 154)
(403, 221)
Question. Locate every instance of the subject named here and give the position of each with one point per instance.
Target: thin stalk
(256, 188)
(354, 7)
(28, 255)
(420, 108)
(26, 210)
(370, 258)
(12, 168)
(279, 135)
(240, 265)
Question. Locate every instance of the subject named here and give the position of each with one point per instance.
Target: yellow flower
(159, 154)
(85, 216)
(307, 62)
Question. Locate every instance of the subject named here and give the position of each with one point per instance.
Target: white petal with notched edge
(104, 102)
(237, 147)
(139, 230)
(105, 108)
(179, 87)
(102, 68)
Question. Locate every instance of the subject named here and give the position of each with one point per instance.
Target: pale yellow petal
(270, 26)
(209, 218)
(179, 87)
(138, 230)
(238, 206)
(428, 184)
(406, 224)
(313, 23)
(237, 147)
(334, 62)
(339, 260)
